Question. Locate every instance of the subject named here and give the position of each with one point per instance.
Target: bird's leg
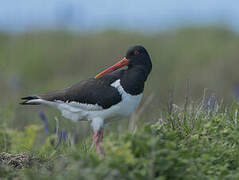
(98, 137)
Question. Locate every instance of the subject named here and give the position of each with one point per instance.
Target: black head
(139, 57)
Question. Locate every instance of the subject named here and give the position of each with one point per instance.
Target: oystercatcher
(109, 94)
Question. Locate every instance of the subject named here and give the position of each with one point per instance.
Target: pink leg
(98, 137)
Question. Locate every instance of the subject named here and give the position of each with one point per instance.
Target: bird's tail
(30, 100)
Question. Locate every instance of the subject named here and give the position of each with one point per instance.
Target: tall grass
(196, 140)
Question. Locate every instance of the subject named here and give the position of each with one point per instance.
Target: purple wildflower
(64, 135)
(236, 91)
(45, 122)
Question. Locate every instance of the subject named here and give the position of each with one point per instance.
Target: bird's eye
(136, 52)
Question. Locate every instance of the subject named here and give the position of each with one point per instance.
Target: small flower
(236, 91)
(45, 122)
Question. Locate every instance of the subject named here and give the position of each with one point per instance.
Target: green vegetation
(199, 142)
(191, 140)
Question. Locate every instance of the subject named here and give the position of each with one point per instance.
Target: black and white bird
(109, 94)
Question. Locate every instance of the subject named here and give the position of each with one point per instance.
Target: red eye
(136, 52)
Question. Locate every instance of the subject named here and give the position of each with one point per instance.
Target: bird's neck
(140, 71)
(133, 80)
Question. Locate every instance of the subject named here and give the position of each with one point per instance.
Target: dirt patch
(17, 160)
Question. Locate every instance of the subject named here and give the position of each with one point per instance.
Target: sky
(93, 15)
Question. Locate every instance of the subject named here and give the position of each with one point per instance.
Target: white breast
(129, 102)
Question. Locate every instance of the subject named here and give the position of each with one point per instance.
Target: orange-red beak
(118, 65)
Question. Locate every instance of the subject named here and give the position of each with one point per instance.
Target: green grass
(196, 141)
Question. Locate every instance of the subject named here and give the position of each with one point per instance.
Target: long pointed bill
(118, 65)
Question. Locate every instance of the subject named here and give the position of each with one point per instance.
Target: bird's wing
(93, 91)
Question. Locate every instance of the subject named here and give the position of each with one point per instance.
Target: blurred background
(48, 45)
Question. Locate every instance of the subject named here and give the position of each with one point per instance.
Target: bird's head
(136, 56)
